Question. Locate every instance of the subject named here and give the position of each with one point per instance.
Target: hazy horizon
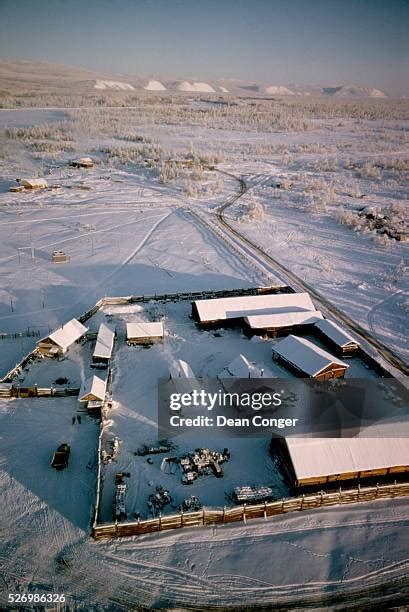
(361, 42)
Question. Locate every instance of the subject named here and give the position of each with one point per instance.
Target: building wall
(330, 372)
(46, 345)
(275, 332)
(352, 475)
(333, 371)
(145, 341)
(321, 479)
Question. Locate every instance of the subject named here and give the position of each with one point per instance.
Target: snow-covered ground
(133, 419)
(365, 280)
(128, 227)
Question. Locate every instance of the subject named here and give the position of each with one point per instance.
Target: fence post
(322, 497)
(244, 514)
(302, 501)
(137, 525)
(181, 518)
(359, 490)
(340, 494)
(203, 516)
(265, 510)
(224, 512)
(160, 521)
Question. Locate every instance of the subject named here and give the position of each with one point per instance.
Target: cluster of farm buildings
(310, 461)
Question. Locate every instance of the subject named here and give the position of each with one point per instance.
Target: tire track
(298, 284)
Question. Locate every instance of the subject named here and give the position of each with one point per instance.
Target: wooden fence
(17, 391)
(25, 334)
(132, 299)
(244, 513)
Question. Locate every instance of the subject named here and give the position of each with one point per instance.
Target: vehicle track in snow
(299, 285)
(372, 312)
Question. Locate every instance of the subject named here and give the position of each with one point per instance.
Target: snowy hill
(43, 75)
(350, 91)
(279, 90)
(118, 85)
(155, 86)
(197, 87)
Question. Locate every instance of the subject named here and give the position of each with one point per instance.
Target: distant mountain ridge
(35, 74)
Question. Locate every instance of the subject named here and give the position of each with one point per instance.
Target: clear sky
(318, 42)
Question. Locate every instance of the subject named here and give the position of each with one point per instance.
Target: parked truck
(60, 457)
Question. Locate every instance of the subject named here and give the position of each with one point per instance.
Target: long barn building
(234, 310)
(316, 461)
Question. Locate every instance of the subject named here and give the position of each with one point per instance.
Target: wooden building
(234, 310)
(33, 183)
(317, 461)
(144, 333)
(82, 162)
(306, 359)
(60, 257)
(103, 347)
(58, 343)
(92, 393)
(283, 323)
(337, 338)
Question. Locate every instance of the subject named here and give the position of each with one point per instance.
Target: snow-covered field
(140, 223)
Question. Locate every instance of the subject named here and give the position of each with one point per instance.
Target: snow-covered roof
(232, 307)
(305, 355)
(241, 366)
(335, 333)
(314, 457)
(68, 334)
(143, 329)
(34, 183)
(83, 161)
(94, 386)
(105, 342)
(283, 319)
(181, 369)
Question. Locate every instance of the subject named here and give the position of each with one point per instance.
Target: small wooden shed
(33, 183)
(82, 162)
(92, 389)
(103, 347)
(60, 257)
(144, 332)
(61, 339)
